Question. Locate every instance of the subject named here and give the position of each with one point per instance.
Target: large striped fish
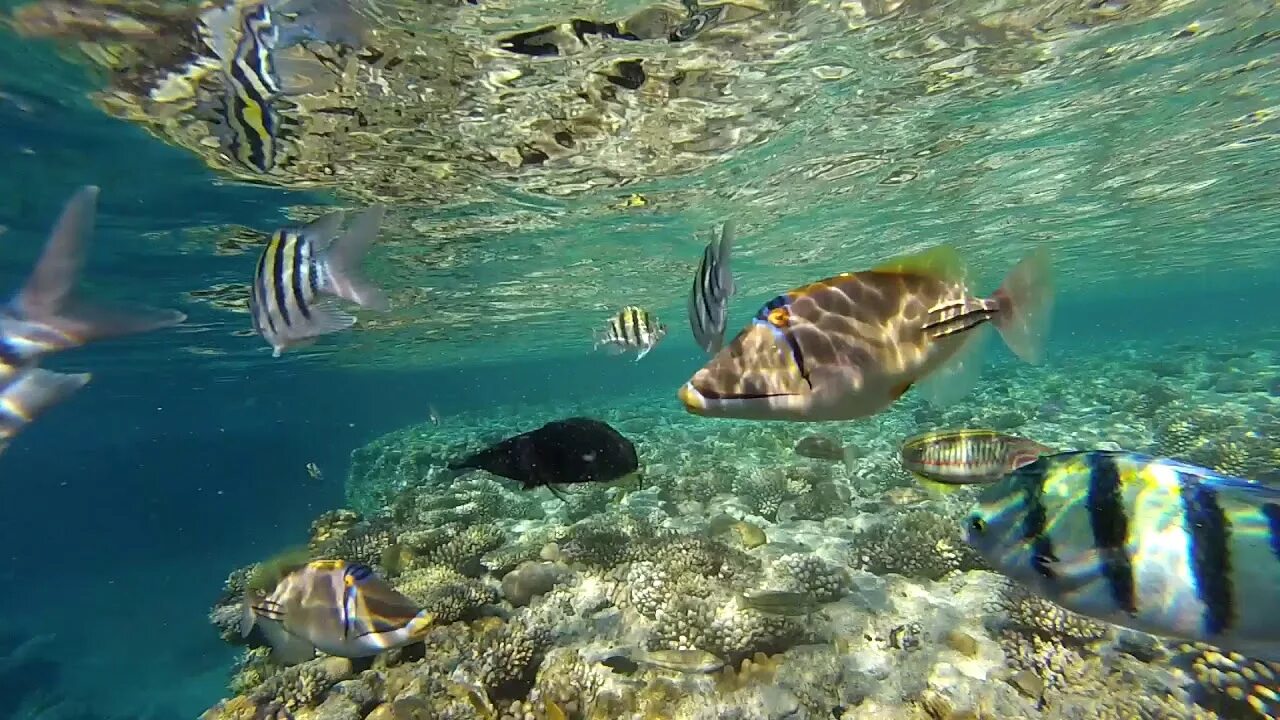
(1149, 543)
(45, 317)
(337, 607)
(712, 288)
(632, 328)
(300, 264)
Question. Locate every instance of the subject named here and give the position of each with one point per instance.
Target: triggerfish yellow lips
(756, 376)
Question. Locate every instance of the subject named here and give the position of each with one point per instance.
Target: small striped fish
(967, 457)
(632, 329)
(712, 288)
(1148, 543)
(44, 317)
(298, 265)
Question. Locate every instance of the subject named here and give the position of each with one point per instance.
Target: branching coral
(915, 543)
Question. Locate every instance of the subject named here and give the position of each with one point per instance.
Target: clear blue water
(126, 507)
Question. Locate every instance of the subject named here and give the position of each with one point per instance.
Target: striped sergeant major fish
(712, 288)
(45, 317)
(253, 74)
(336, 607)
(298, 266)
(1151, 544)
(632, 328)
(849, 346)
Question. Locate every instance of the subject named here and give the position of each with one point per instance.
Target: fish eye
(977, 525)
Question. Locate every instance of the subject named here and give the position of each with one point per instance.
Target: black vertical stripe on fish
(1036, 522)
(1209, 535)
(1271, 512)
(277, 288)
(634, 325)
(260, 289)
(1110, 525)
(295, 276)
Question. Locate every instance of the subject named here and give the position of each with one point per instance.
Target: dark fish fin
(46, 298)
(343, 260)
(941, 262)
(900, 390)
(557, 493)
(1024, 304)
(34, 392)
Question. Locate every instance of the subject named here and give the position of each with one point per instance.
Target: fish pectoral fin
(956, 377)
(286, 648)
(941, 262)
(327, 317)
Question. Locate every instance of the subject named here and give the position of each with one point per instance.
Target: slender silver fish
(46, 317)
(1148, 543)
(298, 266)
(712, 288)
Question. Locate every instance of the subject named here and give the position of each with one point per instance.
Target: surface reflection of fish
(46, 317)
(966, 457)
(575, 450)
(1152, 544)
(632, 328)
(713, 286)
(254, 76)
(313, 471)
(298, 266)
(849, 346)
(336, 607)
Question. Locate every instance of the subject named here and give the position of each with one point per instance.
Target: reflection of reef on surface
(745, 578)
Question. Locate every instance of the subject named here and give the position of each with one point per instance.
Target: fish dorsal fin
(941, 262)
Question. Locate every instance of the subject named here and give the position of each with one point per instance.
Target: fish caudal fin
(343, 257)
(31, 394)
(1024, 303)
(331, 21)
(47, 297)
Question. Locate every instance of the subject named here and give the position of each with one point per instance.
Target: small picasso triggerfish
(849, 346)
(336, 607)
(574, 450)
(1152, 544)
(45, 317)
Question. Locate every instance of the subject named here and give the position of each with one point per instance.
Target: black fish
(574, 450)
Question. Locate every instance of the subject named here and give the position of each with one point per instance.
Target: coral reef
(745, 580)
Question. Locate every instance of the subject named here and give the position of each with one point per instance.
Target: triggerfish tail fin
(31, 394)
(1024, 304)
(941, 262)
(343, 258)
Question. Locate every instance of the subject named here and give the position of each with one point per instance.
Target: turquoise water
(1136, 140)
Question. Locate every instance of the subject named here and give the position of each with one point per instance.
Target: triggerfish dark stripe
(1110, 527)
(1271, 512)
(1035, 523)
(1209, 536)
